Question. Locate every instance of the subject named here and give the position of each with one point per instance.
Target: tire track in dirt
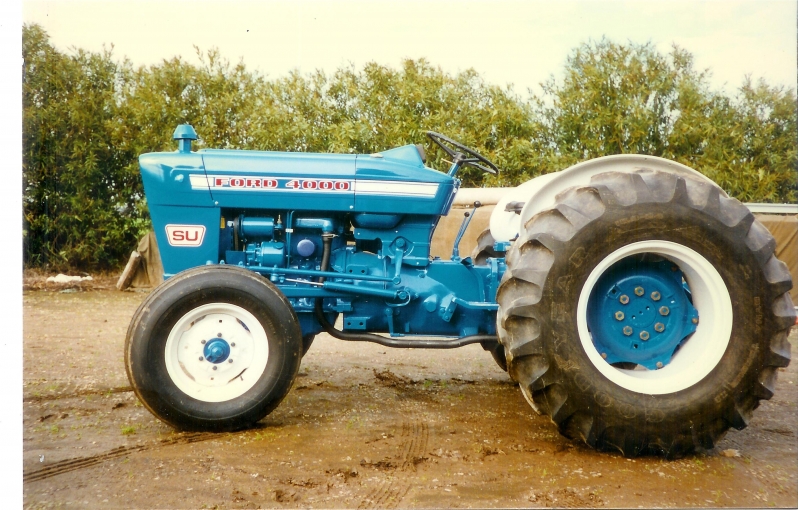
(75, 394)
(67, 465)
(418, 432)
(389, 493)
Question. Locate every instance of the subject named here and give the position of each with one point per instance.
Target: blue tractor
(633, 301)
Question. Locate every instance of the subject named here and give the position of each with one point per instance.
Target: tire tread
(522, 290)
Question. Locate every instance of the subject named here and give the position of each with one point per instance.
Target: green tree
(764, 135)
(379, 108)
(617, 99)
(87, 118)
(77, 207)
(217, 98)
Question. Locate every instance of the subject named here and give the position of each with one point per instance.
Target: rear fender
(539, 193)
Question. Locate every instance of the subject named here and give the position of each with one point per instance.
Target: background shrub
(87, 117)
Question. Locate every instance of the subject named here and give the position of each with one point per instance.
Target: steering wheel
(464, 156)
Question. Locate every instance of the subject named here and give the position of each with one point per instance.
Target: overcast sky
(519, 43)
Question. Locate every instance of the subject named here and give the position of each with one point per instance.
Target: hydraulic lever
(463, 228)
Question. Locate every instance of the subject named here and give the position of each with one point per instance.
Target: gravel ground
(363, 427)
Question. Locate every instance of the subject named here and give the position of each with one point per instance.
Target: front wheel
(213, 348)
(645, 313)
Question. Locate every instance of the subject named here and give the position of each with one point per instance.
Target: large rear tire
(496, 351)
(307, 341)
(213, 348)
(482, 251)
(605, 337)
(484, 248)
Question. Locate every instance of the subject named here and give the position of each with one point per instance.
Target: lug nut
(639, 291)
(624, 299)
(664, 310)
(233, 344)
(695, 320)
(230, 360)
(627, 330)
(619, 315)
(604, 355)
(219, 335)
(201, 358)
(655, 296)
(659, 364)
(215, 367)
(202, 341)
(644, 335)
(659, 327)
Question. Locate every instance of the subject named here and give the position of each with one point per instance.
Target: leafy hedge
(87, 117)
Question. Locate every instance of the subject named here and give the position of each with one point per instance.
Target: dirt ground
(364, 427)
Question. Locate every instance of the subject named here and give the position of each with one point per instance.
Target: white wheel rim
(700, 354)
(237, 374)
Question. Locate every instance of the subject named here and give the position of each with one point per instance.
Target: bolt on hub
(641, 313)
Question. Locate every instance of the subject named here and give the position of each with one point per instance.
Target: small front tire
(213, 348)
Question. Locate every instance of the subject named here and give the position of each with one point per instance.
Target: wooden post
(130, 271)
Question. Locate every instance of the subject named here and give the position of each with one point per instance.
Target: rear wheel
(484, 248)
(213, 348)
(645, 313)
(480, 255)
(496, 350)
(307, 341)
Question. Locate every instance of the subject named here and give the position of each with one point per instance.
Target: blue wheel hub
(216, 350)
(640, 312)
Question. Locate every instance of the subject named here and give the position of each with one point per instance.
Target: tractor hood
(394, 181)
